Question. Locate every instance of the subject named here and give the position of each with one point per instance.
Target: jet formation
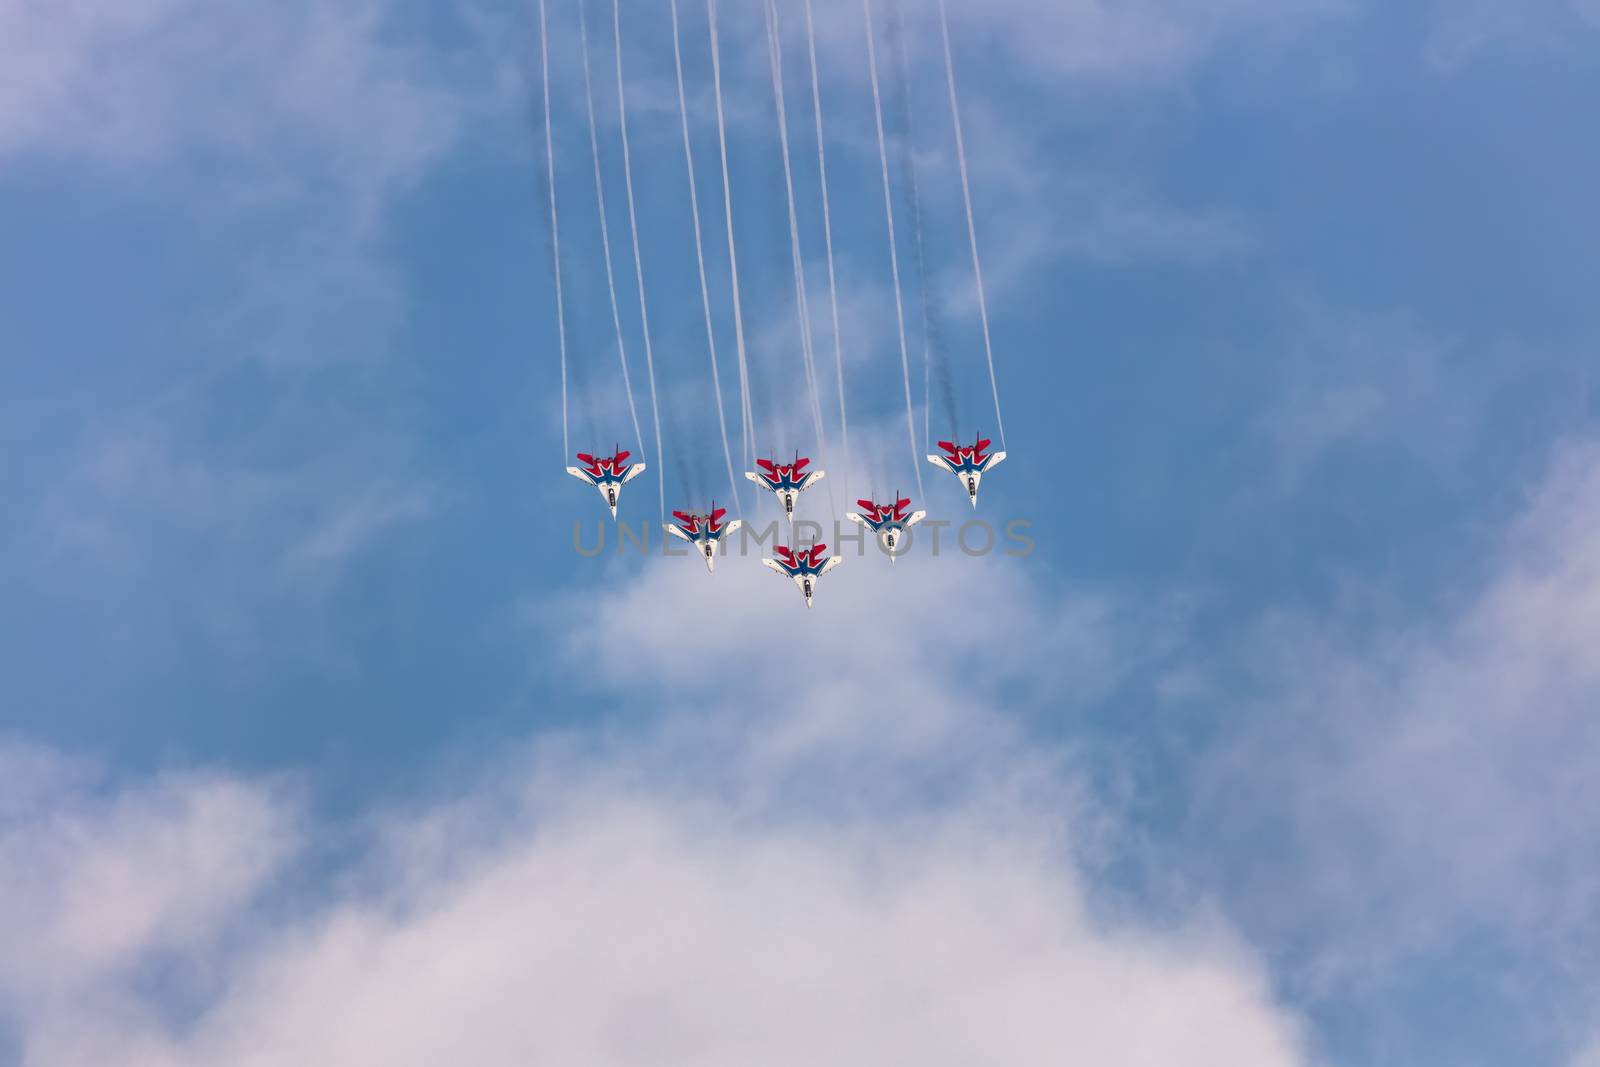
(786, 481)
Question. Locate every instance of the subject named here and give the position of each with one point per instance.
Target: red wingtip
(585, 457)
(620, 456)
(869, 505)
(716, 516)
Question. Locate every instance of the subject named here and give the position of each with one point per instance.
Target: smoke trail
(578, 402)
(747, 415)
(802, 301)
(804, 304)
(972, 230)
(605, 235)
(894, 255)
(700, 257)
(638, 261)
(555, 229)
(689, 467)
(827, 234)
(935, 356)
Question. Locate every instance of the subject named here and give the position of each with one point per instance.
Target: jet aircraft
(785, 480)
(804, 565)
(607, 475)
(888, 521)
(968, 462)
(705, 531)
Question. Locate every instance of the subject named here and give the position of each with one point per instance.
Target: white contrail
(700, 255)
(802, 301)
(972, 230)
(555, 229)
(638, 261)
(908, 161)
(894, 256)
(827, 234)
(605, 234)
(747, 415)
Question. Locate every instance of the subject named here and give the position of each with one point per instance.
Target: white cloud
(638, 932)
(858, 864)
(93, 884)
(616, 924)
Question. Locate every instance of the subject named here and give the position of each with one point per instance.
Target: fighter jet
(706, 531)
(607, 475)
(888, 521)
(786, 480)
(968, 462)
(805, 566)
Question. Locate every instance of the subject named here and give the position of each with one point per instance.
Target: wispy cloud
(1428, 776)
(166, 534)
(1353, 380)
(1462, 33)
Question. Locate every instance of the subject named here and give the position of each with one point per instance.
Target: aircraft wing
(578, 472)
(775, 565)
(812, 479)
(633, 472)
(732, 527)
(916, 517)
(994, 461)
(942, 463)
(833, 561)
(677, 531)
(858, 519)
(754, 477)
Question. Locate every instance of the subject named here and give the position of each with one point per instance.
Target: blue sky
(319, 744)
